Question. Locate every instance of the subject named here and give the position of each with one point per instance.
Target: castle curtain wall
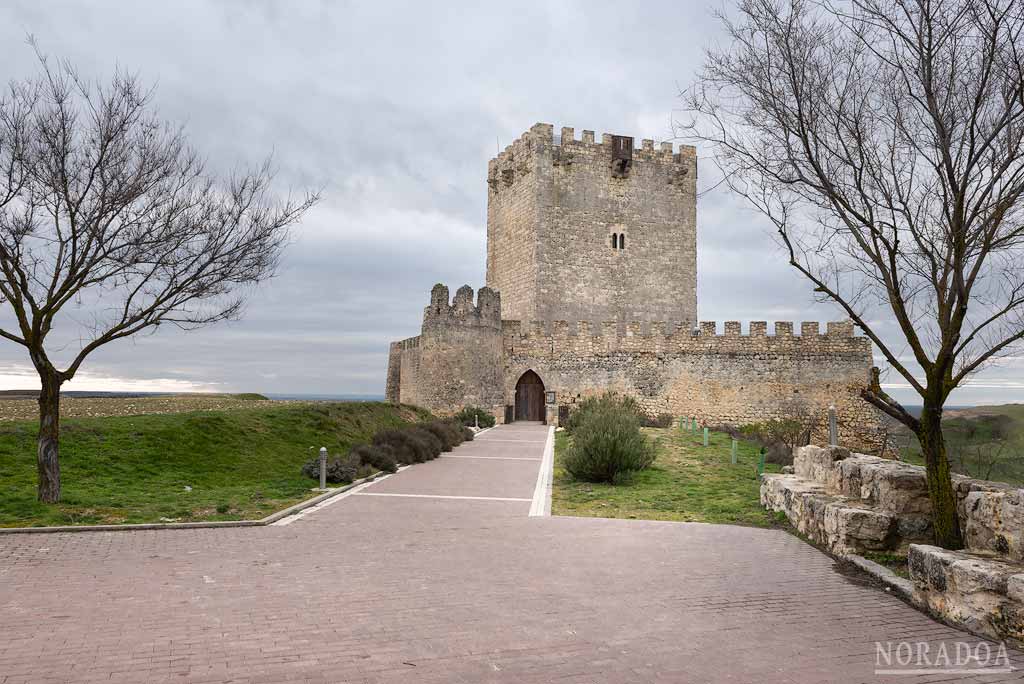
(720, 379)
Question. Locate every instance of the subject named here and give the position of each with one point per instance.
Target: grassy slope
(687, 482)
(133, 469)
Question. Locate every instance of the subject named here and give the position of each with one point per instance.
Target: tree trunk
(940, 483)
(47, 457)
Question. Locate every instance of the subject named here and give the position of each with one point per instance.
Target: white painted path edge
(541, 505)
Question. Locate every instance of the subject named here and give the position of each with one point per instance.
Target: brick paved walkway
(423, 589)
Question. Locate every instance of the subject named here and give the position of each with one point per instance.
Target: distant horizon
(277, 396)
(352, 396)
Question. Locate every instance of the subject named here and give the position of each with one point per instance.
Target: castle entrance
(530, 397)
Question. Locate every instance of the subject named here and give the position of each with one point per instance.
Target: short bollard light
(735, 444)
(323, 467)
(693, 425)
(833, 427)
(705, 436)
(760, 462)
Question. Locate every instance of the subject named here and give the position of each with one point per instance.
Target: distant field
(236, 462)
(984, 442)
(26, 408)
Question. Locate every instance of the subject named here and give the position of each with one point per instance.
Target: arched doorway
(530, 397)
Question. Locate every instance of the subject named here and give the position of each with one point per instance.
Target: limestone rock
(980, 592)
(816, 463)
(994, 521)
(891, 486)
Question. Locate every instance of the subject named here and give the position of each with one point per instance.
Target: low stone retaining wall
(981, 592)
(853, 503)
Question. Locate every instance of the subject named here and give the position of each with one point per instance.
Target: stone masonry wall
(727, 378)
(513, 220)
(553, 206)
(456, 360)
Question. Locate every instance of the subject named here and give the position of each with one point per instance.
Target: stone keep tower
(585, 231)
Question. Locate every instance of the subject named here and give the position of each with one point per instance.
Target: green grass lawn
(687, 482)
(239, 464)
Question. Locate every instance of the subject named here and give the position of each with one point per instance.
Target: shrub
(376, 456)
(407, 446)
(446, 432)
(608, 400)
(607, 444)
(431, 443)
(467, 434)
(340, 469)
(779, 437)
(469, 414)
(662, 420)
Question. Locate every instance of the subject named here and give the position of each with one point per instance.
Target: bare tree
(105, 207)
(883, 138)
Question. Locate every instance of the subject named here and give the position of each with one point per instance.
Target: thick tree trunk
(940, 483)
(47, 457)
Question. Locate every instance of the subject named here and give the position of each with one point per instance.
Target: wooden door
(530, 397)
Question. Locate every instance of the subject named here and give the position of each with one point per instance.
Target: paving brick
(394, 589)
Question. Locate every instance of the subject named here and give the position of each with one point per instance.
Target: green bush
(608, 400)
(467, 434)
(607, 443)
(448, 433)
(470, 414)
(407, 446)
(376, 456)
(340, 469)
(431, 443)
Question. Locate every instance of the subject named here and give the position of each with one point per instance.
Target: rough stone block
(815, 463)
(980, 592)
(837, 523)
(890, 486)
(994, 521)
(850, 528)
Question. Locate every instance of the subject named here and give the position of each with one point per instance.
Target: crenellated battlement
(517, 159)
(461, 311)
(409, 343)
(706, 329)
(606, 337)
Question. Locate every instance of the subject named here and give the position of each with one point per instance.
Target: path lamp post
(705, 436)
(323, 467)
(833, 427)
(734, 445)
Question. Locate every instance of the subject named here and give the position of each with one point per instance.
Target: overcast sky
(394, 109)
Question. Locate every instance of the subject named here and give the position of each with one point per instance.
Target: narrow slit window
(615, 240)
(622, 241)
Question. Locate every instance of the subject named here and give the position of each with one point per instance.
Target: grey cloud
(393, 109)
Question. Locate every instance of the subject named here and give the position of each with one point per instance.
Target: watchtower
(581, 230)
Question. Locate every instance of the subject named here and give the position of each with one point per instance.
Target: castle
(592, 286)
